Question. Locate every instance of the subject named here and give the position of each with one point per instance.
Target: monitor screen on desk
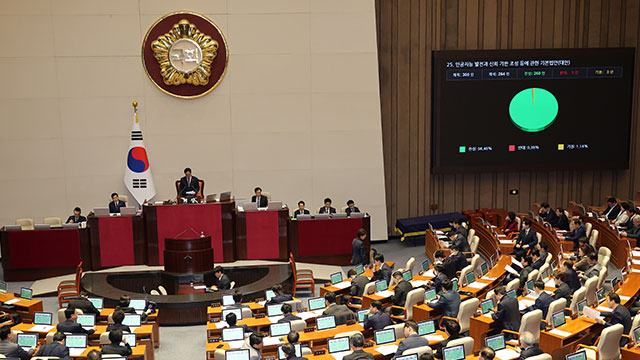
(429, 294)
(86, 320)
(138, 304)
(359, 269)
(600, 295)
(381, 285)
(336, 278)
(316, 303)
(27, 340)
(131, 339)
(269, 294)
(530, 285)
(426, 327)
(326, 322)
(558, 319)
(454, 284)
(384, 336)
(242, 354)
(581, 306)
(338, 344)
(132, 320)
(26, 293)
(227, 311)
(42, 318)
(580, 355)
(406, 275)
(76, 341)
(425, 265)
(512, 293)
(486, 305)
(408, 357)
(283, 356)
(470, 277)
(496, 342)
(3, 287)
(484, 269)
(98, 303)
(279, 329)
(274, 310)
(362, 315)
(453, 353)
(232, 333)
(227, 300)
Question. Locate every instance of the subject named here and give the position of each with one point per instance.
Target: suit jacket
(297, 212)
(186, 186)
(73, 327)
(126, 310)
(462, 243)
(124, 328)
(85, 305)
(612, 212)
(12, 350)
(537, 264)
(462, 231)
(450, 267)
(571, 278)
(532, 351)
(377, 321)
(620, 315)
(358, 252)
(349, 211)
(460, 260)
(72, 219)
(116, 209)
(358, 284)
(54, 349)
(563, 223)
(524, 274)
(527, 238)
(279, 299)
(576, 234)
(592, 271)
(629, 223)
(400, 293)
(263, 201)
(323, 210)
(116, 349)
(437, 349)
(341, 312)
(358, 355)
(634, 233)
(384, 273)
(542, 303)
(288, 318)
(563, 291)
(224, 283)
(508, 314)
(449, 302)
(551, 217)
(410, 342)
(437, 282)
(253, 353)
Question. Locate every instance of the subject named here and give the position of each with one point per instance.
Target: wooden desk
(24, 307)
(150, 320)
(262, 234)
(582, 332)
(479, 326)
(116, 241)
(322, 336)
(136, 352)
(630, 354)
(216, 312)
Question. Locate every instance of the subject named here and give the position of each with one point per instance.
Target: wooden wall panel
(408, 32)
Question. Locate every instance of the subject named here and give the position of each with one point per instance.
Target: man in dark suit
(440, 276)
(538, 260)
(10, 349)
(593, 268)
(563, 220)
(290, 352)
(526, 240)
(237, 300)
(528, 346)
(259, 198)
(384, 271)
(570, 276)
(341, 312)
(411, 338)
(301, 210)
(232, 321)
(634, 231)
(288, 316)
(548, 215)
(280, 297)
(357, 343)
(613, 209)
(118, 318)
(327, 208)
(71, 326)
(76, 217)
(448, 301)
(450, 266)
(84, 304)
(562, 289)
(452, 329)
(357, 286)
(456, 225)
(524, 273)
(376, 318)
(358, 249)
(458, 240)
(543, 300)
(579, 232)
(189, 184)
(115, 337)
(507, 316)
(400, 292)
(223, 280)
(619, 315)
(458, 258)
(116, 204)
(56, 348)
(351, 208)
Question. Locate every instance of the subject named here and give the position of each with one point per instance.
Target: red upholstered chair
(198, 195)
(302, 278)
(70, 289)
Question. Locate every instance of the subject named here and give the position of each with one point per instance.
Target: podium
(188, 256)
(116, 241)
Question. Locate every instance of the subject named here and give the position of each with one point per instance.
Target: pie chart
(533, 109)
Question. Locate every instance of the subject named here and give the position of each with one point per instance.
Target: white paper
(221, 324)
(524, 303)
(507, 354)
(560, 332)
(236, 344)
(12, 301)
(341, 354)
(624, 298)
(477, 285)
(268, 341)
(516, 262)
(385, 293)
(511, 270)
(306, 315)
(604, 308)
(550, 283)
(41, 328)
(429, 273)
(635, 253)
(343, 284)
(502, 236)
(199, 287)
(590, 313)
(318, 312)
(635, 262)
(76, 351)
(489, 278)
(387, 349)
(632, 270)
(506, 242)
(418, 283)
(432, 338)
(275, 319)
(439, 232)
(261, 303)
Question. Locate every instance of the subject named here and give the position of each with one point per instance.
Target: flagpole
(135, 109)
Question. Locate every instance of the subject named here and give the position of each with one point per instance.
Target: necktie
(189, 181)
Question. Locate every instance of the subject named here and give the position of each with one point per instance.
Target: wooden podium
(188, 256)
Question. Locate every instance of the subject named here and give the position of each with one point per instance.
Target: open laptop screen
(385, 336)
(236, 354)
(558, 319)
(326, 322)
(42, 318)
(316, 303)
(98, 303)
(453, 353)
(496, 342)
(336, 278)
(132, 320)
(338, 344)
(232, 333)
(426, 327)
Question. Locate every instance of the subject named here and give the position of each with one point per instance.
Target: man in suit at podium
(116, 204)
(76, 217)
(301, 210)
(223, 280)
(327, 209)
(189, 184)
(259, 198)
(351, 207)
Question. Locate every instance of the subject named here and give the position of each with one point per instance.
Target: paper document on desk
(551, 283)
(76, 351)
(432, 338)
(41, 328)
(506, 242)
(635, 253)
(221, 324)
(387, 349)
(507, 354)
(418, 283)
(429, 273)
(603, 308)
(511, 270)
(306, 315)
(261, 303)
(439, 232)
(624, 298)
(12, 301)
(269, 341)
(635, 262)
(236, 344)
(524, 303)
(341, 354)
(477, 285)
(384, 293)
(559, 332)
(489, 278)
(343, 284)
(632, 270)
(516, 262)
(591, 314)
(275, 319)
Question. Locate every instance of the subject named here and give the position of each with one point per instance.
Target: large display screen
(501, 110)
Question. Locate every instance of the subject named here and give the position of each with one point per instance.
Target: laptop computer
(407, 357)
(340, 344)
(454, 284)
(486, 305)
(77, 344)
(357, 214)
(492, 259)
(41, 226)
(132, 320)
(484, 269)
(70, 226)
(88, 321)
(498, 344)
(600, 295)
(322, 216)
(381, 285)
(304, 217)
(3, 287)
(426, 327)
(425, 265)
(225, 196)
(211, 198)
(101, 212)
(296, 346)
(279, 329)
(274, 310)
(26, 341)
(227, 300)
(406, 275)
(384, 336)
(250, 206)
(316, 303)
(326, 322)
(558, 319)
(453, 353)
(581, 306)
(429, 294)
(336, 278)
(138, 304)
(580, 355)
(232, 334)
(12, 228)
(359, 269)
(362, 315)
(635, 334)
(131, 339)
(470, 277)
(275, 205)
(529, 286)
(129, 210)
(512, 293)
(339, 216)
(26, 293)
(242, 354)
(269, 294)
(237, 311)
(42, 318)
(98, 303)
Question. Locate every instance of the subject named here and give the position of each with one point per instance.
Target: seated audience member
(358, 249)
(440, 276)
(527, 268)
(123, 304)
(118, 318)
(258, 198)
(401, 290)
(526, 240)
(411, 338)
(448, 301)
(11, 349)
(357, 343)
(629, 224)
(458, 257)
(619, 315)
(71, 326)
(570, 276)
(452, 329)
(486, 353)
(237, 300)
(542, 248)
(76, 217)
(280, 297)
(290, 352)
(327, 208)
(548, 215)
(450, 266)
(634, 231)
(458, 228)
(507, 316)
(341, 312)
(578, 233)
(625, 214)
(563, 220)
(510, 223)
(537, 260)
(288, 316)
(563, 290)
(94, 355)
(593, 269)
(116, 204)
(528, 347)
(542, 301)
(582, 257)
(232, 321)
(357, 287)
(189, 184)
(458, 240)
(376, 318)
(116, 338)
(224, 283)
(254, 345)
(613, 209)
(300, 210)
(351, 207)
(426, 356)
(57, 348)
(83, 303)
(384, 271)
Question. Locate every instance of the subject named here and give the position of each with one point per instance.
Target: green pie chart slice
(533, 109)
